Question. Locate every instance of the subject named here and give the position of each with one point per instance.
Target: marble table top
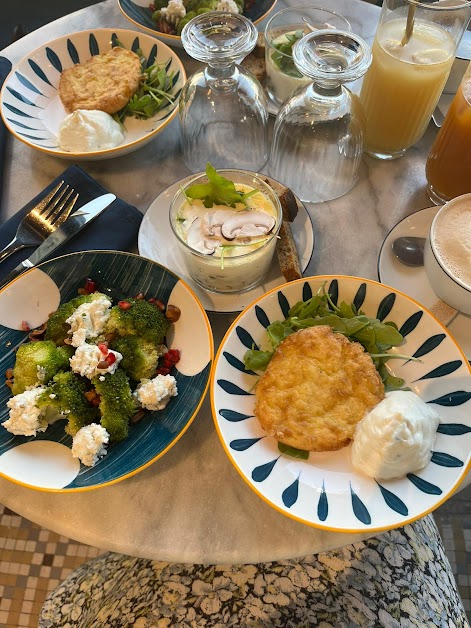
(191, 505)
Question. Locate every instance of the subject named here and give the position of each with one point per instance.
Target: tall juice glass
(408, 72)
(448, 168)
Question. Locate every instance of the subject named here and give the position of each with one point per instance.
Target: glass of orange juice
(409, 70)
(448, 168)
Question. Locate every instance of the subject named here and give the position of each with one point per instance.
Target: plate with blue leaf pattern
(32, 109)
(322, 489)
(45, 462)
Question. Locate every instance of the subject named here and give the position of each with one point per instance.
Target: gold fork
(42, 220)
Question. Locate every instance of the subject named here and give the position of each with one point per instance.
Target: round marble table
(191, 505)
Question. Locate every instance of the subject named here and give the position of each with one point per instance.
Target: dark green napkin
(5, 67)
(116, 228)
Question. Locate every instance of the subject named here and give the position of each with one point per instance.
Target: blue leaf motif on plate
(151, 57)
(290, 494)
(18, 111)
(441, 371)
(411, 323)
(307, 292)
(429, 345)
(169, 63)
(284, 304)
(233, 416)
(456, 398)
(423, 485)
(393, 501)
(453, 429)
(135, 44)
(37, 70)
(323, 505)
(175, 79)
(259, 474)
(359, 509)
(23, 126)
(334, 291)
(386, 306)
(24, 81)
(242, 444)
(93, 45)
(72, 50)
(360, 296)
(54, 59)
(236, 363)
(262, 316)
(231, 388)
(21, 98)
(245, 338)
(445, 460)
(114, 40)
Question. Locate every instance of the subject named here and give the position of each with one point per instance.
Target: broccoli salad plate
(106, 359)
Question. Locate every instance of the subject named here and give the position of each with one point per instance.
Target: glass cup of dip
(282, 31)
(228, 248)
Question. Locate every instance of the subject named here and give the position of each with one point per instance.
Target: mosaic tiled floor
(33, 561)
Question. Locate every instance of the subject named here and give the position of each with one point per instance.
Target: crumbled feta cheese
(227, 5)
(174, 11)
(89, 320)
(87, 357)
(52, 396)
(154, 394)
(89, 444)
(26, 419)
(102, 378)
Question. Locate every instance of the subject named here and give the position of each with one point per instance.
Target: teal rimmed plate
(323, 490)
(31, 107)
(140, 14)
(45, 462)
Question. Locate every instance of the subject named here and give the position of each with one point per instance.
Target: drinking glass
(223, 108)
(318, 134)
(448, 168)
(409, 70)
(281, 32)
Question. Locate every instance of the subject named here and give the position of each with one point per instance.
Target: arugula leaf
(255, 360)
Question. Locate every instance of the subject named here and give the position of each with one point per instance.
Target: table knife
(71, 226)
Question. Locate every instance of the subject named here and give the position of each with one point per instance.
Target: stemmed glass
(223, 108)
(319, 131)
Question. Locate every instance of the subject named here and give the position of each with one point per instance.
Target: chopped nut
(172, 313)
(9, 373)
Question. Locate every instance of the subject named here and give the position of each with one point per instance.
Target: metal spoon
(409, 250)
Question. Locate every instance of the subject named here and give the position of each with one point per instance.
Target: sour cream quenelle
(396, 437)
(88, 131)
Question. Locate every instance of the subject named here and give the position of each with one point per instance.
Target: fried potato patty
(105, 82)
(316, 388)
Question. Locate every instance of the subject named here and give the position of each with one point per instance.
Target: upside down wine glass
(223, 108)
(319, 131)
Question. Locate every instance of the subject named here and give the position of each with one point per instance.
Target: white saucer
(156, 242)
(414, 281)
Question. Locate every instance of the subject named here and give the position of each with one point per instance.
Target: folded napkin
(5, 67)
(116, 228)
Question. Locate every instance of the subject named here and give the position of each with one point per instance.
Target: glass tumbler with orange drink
(448, 168)
(413, 52)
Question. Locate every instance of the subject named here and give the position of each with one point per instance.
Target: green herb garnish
(283, 57)
(375, 336)
(218, 190)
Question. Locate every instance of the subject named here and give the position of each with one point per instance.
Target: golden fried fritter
(317, 387)
(105, 82)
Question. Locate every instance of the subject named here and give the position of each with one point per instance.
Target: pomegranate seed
(25, 326)
(103, 346)
(158, 303)
(90, 286)
(140, 296)
(110, 358)
(9, 373)
(163, 371)
(124, 305)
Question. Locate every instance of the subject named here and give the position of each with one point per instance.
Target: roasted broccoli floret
(140, 358)
(37, 363)
(57, 329)
(66, 394)
(138, 317)
(117, 405)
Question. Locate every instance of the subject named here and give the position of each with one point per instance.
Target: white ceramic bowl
(324, 490)
(445, 283)
(32, 110)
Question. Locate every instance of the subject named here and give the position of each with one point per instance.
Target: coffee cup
(447, 255)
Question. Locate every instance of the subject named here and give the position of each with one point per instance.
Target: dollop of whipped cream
(396, 437)
(86, 131)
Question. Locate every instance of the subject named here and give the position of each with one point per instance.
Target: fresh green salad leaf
(153, 93)
(375, 336)
(218, 190)
(293, 452)
(283, 56)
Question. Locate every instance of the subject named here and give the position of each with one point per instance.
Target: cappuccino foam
(452, 240)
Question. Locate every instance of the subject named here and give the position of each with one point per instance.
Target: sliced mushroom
(196, 239)
(249, 223)
(211, 222)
